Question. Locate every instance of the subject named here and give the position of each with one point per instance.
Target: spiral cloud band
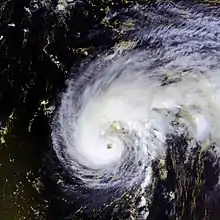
(115, 117)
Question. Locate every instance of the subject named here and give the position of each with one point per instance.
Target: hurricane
(116, 116)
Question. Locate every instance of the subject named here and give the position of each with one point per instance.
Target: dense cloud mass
(119, 103)
(118, 116)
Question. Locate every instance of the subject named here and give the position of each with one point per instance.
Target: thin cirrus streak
(114, 119)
